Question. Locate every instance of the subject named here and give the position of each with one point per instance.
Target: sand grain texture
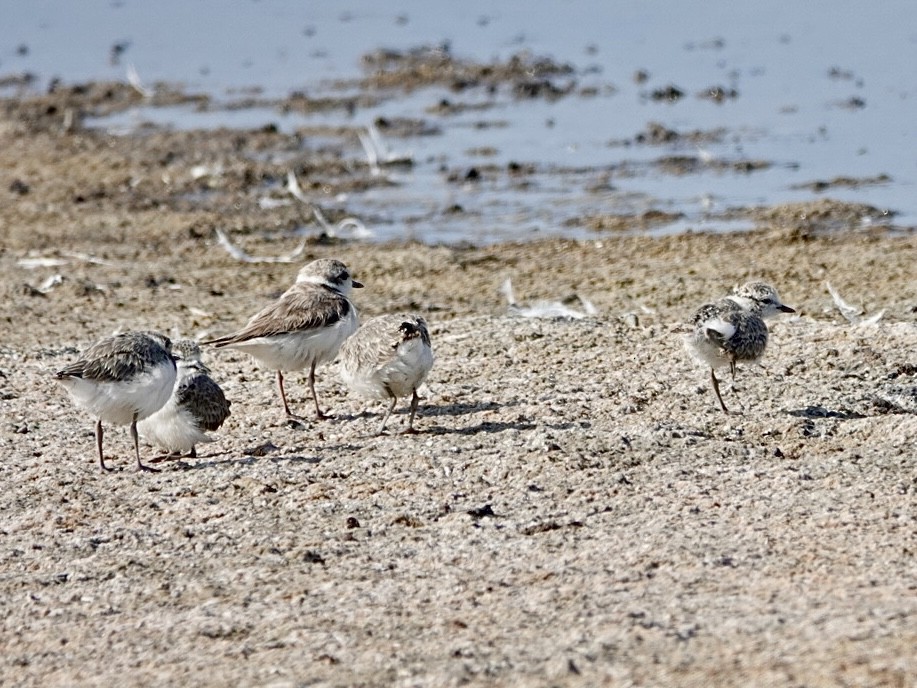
(575, 511)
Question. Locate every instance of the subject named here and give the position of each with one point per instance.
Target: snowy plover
(387, 358)
(304, 327)
(122, 379)
(732, 330)
(197, 405)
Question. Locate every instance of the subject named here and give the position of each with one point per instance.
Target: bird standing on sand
(732, 330)
(389, 357)
(197, 405)
(122, 379)
(304, 328)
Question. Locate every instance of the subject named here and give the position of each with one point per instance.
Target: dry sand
(575, 511)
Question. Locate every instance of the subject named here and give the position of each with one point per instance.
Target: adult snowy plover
(304, 327)
(197, 405)
(732, 330)
(387, 358)
(122, 379)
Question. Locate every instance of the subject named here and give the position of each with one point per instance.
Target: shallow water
(824, 90)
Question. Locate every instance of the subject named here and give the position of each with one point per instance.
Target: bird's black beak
(786, 309)
(355, 284)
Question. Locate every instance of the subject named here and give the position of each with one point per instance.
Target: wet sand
(575, 511)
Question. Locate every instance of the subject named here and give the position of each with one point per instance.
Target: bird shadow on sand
(822, 412)
(424, 411)
(489, 427)
(429, 414)
(429, 411)
(233, 459)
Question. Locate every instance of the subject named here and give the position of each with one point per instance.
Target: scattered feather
(86, 258)
(68, 257)
(200, 171)
(294, 188)
(852, 313)
(50, 283)
(231, 248)
(896, 399)
(268, 203)
(550, 310)
(385, 154)
(244, 257)
(133, 78)
(873, 319)
(372, 156)
(349, 227)
(322, 220)
(354, 228)
(32, 263)
(507, 289)
(378, 153)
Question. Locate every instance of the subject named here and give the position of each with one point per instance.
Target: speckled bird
(121, 380)
(389, 357)
(732, 330)
(197, 405)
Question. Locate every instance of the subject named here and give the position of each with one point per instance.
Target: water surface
(823, 90)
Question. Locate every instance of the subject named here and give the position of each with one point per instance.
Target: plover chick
(732, 330)
(389, 357)
(121, 380)
(304, 328)
(197, 405)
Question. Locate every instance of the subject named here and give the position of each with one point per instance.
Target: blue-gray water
(825, 90)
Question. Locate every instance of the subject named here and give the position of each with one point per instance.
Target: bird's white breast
(706, 350)
(398, 376)
(117, 402)
(297, 350)
(173, 428)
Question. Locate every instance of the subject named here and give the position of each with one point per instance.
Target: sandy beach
(576, 509)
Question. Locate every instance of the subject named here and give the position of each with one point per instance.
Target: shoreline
(94, 287)
(576, 509)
